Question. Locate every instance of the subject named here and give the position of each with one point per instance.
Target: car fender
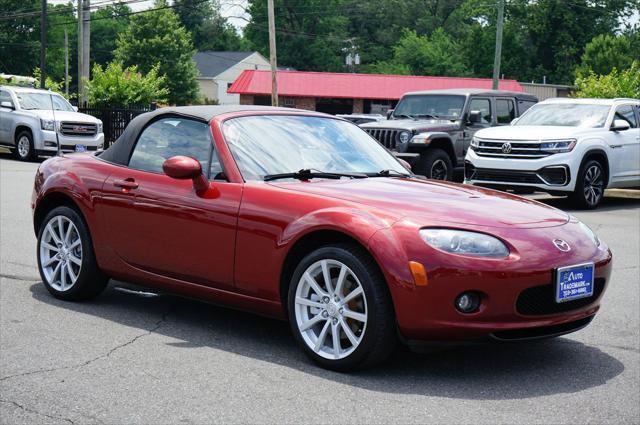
(589, 145)
(26, 120)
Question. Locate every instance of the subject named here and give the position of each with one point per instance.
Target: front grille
(541, 300)
(78, 128)
(387, 137)
(73, 148)
(542, 331)
(510, 149)
(509, 176)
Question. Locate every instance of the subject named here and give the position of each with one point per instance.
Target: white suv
(27, 124)
(575, 147)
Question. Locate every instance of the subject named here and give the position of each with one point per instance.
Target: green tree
(157, 38)
(19, 37)
(210, 30)
(107, 23)
(116, 85)
(615, 84)
(437, 54)
(606, 52)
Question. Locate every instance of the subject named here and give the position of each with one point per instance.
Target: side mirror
(405, 164)
(6, 104)
(75, 108)
(515, 120)
(475, 117)
(620, 125)
(184, 168)
(389, 113)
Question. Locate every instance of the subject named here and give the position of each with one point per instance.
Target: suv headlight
(49, 125)
(465, 243)
(99, 127)
(558, 146)
(474, 143)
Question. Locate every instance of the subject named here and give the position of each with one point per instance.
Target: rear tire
(24, 150)
(435, 164)
(590, 185)
(66, 259)
(365, 322)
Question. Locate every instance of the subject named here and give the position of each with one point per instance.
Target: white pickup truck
(28, 128)
(570, 147)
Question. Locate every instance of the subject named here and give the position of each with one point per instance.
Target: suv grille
(541, 300)
(78, 128)
(510, 149)
(387, 137)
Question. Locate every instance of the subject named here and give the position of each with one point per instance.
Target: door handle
(126, 183)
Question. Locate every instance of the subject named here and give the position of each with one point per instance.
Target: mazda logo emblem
(561, 245)
(506, 148)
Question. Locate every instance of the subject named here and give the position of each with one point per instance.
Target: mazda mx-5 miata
(303, 216)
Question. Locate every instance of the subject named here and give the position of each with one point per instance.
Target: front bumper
(46, 144)
(554, 173)
(518, 298)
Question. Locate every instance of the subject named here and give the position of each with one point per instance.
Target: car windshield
(566, 115)
(275, 144)
(439, 106)
(43, 101)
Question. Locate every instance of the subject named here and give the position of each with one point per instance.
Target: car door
(159, 224)
(482, 104)
(625, 146)
(5, 118)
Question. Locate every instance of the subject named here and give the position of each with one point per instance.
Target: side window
(484, 106)
(5, 96)
(169, 137)
(523, 105)
(626, 113)
(505, 111)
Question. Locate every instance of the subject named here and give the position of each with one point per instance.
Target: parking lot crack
(44, 415)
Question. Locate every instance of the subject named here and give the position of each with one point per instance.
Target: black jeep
(432, 129)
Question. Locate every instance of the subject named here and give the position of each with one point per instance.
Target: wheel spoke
(314, 285)
(72, 275)
(53, 234)
(335, 334)
(311, 322)
(63, 277)
(341, 279)
(49, 246)
(349, 333)
(322, 337)
(352, 295)
(60, 228)
(74, 244)
(327, 276)
(68, 234)
(49, 261)
(75, 259)
(56, 270)
(307, 302)
(355, 315)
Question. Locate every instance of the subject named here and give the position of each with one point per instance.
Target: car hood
(47, 114)
(428, 202)
(533, 132)
(413, 125)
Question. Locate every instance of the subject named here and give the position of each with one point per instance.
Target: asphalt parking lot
(138, 358)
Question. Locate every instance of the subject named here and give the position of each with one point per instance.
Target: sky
(230, 9)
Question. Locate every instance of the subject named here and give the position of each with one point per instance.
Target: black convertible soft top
(120, 151)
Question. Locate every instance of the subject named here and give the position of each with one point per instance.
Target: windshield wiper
(389, 173)
(435, 117)
(307, 173)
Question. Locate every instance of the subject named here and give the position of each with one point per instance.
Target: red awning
(353, 86)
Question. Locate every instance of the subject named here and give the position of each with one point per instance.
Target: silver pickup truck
(28, 128)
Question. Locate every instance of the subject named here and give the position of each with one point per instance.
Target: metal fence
(115, 119)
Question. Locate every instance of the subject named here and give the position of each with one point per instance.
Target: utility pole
(43, 43)
(84, 38)
(272, 53)
(498, 51)
(66, 63)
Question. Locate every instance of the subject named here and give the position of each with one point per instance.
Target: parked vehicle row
(303, 216)
(30, 119)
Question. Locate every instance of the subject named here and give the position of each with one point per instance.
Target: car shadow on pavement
(475, 372)
(609, 203)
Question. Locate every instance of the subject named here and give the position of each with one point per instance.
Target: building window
(289, 102)
(229, 86)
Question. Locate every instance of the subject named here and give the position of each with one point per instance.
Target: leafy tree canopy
(606, 52)
(615, 84)
(117, 85)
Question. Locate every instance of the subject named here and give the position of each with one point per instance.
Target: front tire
(340, 309)
(24, 149)
(66, 259)
(435, 164)
(590, 185)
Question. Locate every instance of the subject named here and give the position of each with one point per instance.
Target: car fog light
(468, 302)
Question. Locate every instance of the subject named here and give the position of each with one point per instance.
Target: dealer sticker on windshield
(574, 282)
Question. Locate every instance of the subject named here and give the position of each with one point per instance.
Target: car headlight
(404, 137)
(558, 146)
(474, 143)
(99, 127)
(465, 243)
(49, 125)
(592, 235)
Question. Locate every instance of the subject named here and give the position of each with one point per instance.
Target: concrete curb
(622, 193)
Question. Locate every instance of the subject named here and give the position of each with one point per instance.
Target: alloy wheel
(439, 170)
(330, 309)
(24, 146)
(61, 253)
(593, 184)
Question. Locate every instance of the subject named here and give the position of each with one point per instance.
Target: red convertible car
(305, 217)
